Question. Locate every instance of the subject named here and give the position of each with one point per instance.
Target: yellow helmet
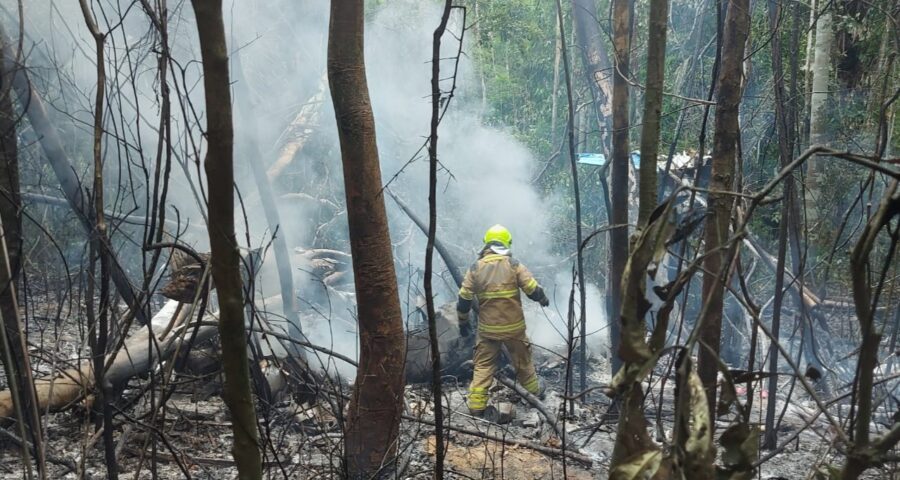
(498, 233)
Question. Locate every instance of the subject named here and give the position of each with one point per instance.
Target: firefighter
(494, 281)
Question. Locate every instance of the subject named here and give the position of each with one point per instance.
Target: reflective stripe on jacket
(494, 282)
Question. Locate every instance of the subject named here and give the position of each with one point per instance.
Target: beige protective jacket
(494, 282)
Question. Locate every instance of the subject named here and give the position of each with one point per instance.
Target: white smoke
(281, 44)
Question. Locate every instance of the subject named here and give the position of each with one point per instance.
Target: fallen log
(136, 357)
(322, 262)
(191, 461)
(298, 131)
(323, 253)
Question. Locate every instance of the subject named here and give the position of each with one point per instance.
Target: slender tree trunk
(554, 94)
(273, 218)
(98, 326)
(656, 70)
(818, 116)
(372, 428)
(795, 224)
(882, 111)
(866, 294)
(436, 103)
(727, 135)
(16, 361)
(449, 261)
(579, 254)
(784, 127)
(224, 255)
(810, 52)
(623, 10)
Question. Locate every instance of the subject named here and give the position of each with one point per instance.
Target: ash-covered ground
(188, 435)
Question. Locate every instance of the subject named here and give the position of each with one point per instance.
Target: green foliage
(513, 44)
(515, 50)
(641, 466)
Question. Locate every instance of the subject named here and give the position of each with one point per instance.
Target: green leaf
(740, 443)
(699, 452)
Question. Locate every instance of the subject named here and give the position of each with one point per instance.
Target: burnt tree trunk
(589, 40)
(623, 11)
(576, 192)
(270, 209)
(656, 70)
(725, 143)
(372, 427)
(15, 352)
(98, 322)
(437, 101)
(225, 257)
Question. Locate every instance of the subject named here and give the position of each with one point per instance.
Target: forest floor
(191, 437)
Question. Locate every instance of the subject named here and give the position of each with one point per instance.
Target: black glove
(465, 330)
(545, 302)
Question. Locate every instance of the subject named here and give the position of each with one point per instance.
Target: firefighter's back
(496, 285)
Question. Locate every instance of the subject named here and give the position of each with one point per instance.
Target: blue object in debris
(636, 159)
(597, 159)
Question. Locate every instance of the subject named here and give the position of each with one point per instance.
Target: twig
(64, 462)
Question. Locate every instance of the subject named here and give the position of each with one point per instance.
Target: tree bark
(372, 427)
(727, 135)
(863, 452)
(222, 241)
(597, 67)
(656, 70)
(623, 11)
(818, 118)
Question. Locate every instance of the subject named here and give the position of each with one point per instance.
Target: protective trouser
(487, 353)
